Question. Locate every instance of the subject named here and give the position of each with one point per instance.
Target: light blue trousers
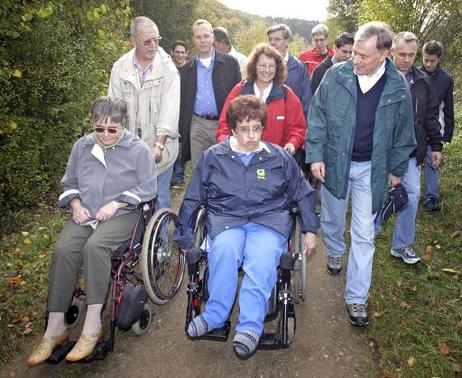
(258, 249)
(333, 214)
(163, 188)
(431, 178)
(404, 232)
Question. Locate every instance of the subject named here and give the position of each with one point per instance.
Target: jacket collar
(224, 148)
(276, 91)
(394, 79)
(129, 71)
(417, 74)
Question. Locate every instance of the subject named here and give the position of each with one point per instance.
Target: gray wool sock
(245, 342)
(198, 327)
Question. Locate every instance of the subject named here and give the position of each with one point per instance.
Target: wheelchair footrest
(217, 334)
(271, 341)
(60, 352)
(102, 349)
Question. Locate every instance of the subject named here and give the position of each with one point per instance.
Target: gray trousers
(82, 246)
(202, 137)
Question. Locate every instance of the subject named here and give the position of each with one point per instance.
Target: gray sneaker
(407, 254)
(358, 314)
(334, 265)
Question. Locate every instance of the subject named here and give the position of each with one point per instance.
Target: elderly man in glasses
(147, 79)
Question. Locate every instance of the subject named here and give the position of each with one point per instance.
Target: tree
(173, 18)
(428, 19)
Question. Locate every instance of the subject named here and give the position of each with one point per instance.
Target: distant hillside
(233, 20)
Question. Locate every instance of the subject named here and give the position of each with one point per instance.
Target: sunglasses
(110, 130)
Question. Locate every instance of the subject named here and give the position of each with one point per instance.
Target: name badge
(280, 117)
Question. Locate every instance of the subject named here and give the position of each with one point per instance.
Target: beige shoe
(44, 350)
(84, 346)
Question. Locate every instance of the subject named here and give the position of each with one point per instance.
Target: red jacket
(286, 122)
(312, 58)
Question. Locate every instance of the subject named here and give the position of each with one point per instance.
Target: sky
(315, 10)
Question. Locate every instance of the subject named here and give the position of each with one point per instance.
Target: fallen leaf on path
(24, 233)
(450, 270)
(443, 348)
(426, 256)
(457, 368)
(404, 305)
(429, 249)
(27, 241)
(437, 246)
(378, 314)
(455, 234)
(14, 281)
(411, 362)
(386, 373)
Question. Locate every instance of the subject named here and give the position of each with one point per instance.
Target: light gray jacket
(125, 173)
(154, 108)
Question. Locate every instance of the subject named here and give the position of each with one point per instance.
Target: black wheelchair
(290, 287)
(149, 265)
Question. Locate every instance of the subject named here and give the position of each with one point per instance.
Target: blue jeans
(178, 168)
(258, 249)
(333, 214)
(404, 233)
(431, 178)
(163, 188)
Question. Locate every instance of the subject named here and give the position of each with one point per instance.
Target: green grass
(416, 311)
(26, 256)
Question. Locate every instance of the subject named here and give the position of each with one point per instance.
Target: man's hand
(107, 211)
(309, 244)
(437, 159)
(290, 148)
(156, 153)
(318, 169)
(80, 214)
(393, 180)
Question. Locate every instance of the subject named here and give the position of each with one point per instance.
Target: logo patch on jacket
(261, 174)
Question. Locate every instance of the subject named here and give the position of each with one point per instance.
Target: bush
(55, 59)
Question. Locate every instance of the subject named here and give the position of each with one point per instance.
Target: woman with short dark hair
(109, 173)
(248, 187)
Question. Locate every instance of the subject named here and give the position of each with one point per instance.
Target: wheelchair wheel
(199, 228)
(142, 325)
(162, 262)
(72, 315)
(290, 330)
(299, 272)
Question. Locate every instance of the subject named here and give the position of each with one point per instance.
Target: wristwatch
(160, 145)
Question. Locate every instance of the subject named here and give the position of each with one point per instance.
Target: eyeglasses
(148, 42)
(248, 129)
(110, 130)
(267, 66)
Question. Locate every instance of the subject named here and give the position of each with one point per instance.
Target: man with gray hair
(223, 44)
(147, 79)
(320, 51)
(427, 130)
(279, 36)
(359, 143)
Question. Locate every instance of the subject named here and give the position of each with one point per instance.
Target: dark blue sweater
(366, 107)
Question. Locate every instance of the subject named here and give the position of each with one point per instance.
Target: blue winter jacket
(332, 120)
(234, 194)
(298, 80)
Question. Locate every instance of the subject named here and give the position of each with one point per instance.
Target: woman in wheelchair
(247, 187)
(109, 173)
